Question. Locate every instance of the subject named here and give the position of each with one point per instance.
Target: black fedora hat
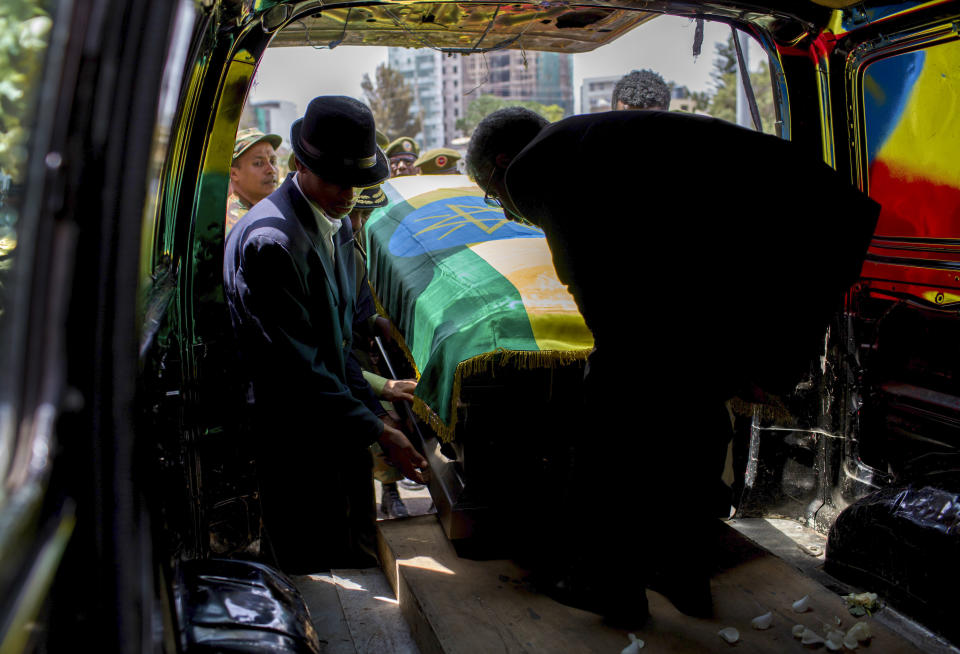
(336, 139)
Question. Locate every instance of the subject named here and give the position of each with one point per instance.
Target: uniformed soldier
(253, 172)
(372, 324)
(439, 161)
(403, 152)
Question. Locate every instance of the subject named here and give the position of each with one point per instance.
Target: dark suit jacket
(732, 248)
(292, 310)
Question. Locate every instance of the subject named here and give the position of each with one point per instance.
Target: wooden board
(355, 612)
(320, 595)
(458, 606)
(372, 613)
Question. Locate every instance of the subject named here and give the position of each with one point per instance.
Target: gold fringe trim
(770, 414)
(485, 363)
(488, 363)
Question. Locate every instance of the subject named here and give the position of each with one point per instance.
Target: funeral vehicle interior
(129, 517)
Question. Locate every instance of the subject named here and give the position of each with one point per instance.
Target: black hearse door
(79, 89)
(901, 387)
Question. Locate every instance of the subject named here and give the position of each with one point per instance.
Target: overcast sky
(664, 45)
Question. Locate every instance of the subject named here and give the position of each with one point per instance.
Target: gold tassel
(485, 363)
(489, 363)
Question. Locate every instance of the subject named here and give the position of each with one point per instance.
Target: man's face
(254, 174)
(496, 190)
(402, 164)
(336, 201)
(358, 217)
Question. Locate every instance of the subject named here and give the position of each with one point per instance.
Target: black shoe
(688, 592)
(621, 608)
(391, 506)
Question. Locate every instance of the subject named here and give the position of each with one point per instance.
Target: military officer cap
(403, 145)
(382, 140)
(247, 138)
(371, 198)
(437, 161)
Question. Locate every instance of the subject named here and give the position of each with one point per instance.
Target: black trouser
(318, 502)
(647, 466)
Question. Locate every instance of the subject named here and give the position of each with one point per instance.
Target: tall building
(544, 77)
(439, 83)
(595, 93)
(275, 117)
(423, 71)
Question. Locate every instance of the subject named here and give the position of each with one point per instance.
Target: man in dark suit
(290, 285)
(707, 260)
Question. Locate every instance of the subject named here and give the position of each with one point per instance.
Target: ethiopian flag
(467, 289)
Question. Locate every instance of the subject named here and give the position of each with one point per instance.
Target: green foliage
(487, 104)
(390, 102)
(701, 100)
(24, 29)
(723, 104)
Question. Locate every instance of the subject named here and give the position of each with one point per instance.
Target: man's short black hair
(505, 131)
(641, 89)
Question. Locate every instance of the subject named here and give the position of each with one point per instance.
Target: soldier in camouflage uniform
(367, 324)
(253, 172)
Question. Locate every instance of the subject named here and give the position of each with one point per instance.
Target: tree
(701, 100)
(390, 102)
(487, 104)
(723, 104)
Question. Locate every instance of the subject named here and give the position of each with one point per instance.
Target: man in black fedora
(729, 254)
(289, 278)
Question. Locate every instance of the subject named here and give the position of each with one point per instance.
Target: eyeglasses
(492, 200)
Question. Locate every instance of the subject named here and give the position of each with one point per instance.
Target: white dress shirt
(326, 225)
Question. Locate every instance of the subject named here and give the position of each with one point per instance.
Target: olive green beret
(403, 145)
(438, 160)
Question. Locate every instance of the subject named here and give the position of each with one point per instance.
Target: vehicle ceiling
(554, 25)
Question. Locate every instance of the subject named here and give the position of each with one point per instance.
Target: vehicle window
(912, 119)
(448, 95)
(24, 30)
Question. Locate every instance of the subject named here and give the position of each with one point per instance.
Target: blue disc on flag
(454, 221)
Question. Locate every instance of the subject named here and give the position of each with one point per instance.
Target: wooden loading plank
(461, 606)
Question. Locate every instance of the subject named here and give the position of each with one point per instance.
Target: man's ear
(503, 161)
(233, 173)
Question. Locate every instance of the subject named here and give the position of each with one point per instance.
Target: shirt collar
(326, 225)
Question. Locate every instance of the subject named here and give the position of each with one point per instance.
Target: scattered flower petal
(811, 637)
(802, 604)
(798, 630)
(861, 631)
(849, 642)
(729, 634)
(634, 647)
(762, 621)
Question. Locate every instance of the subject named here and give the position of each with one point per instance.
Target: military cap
(403, 145)
(438, 160)
(371, 198)
(382, 140)
(247, 138)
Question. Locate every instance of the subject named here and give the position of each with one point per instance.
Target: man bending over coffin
(289, 281)
(732, 253)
